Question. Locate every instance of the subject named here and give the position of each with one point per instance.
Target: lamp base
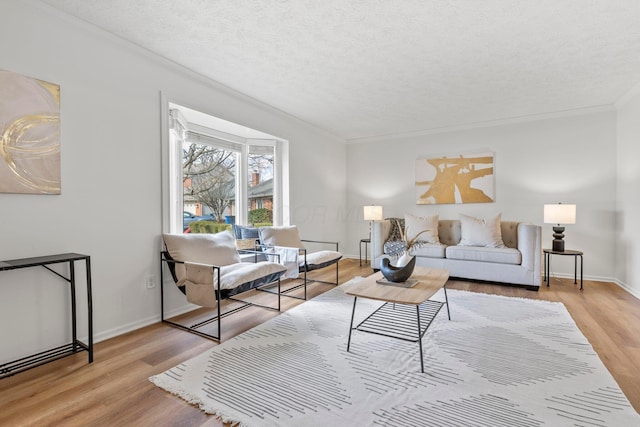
(558, 242)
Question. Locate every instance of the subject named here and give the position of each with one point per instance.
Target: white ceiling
(361, 69)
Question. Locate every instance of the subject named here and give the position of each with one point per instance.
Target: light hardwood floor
(115, 391)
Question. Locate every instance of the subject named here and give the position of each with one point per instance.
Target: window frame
(172, 191)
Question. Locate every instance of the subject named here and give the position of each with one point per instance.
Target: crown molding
(624, 99)
(174, 66)
(487, 123)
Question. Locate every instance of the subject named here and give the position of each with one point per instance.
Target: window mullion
(241, 187)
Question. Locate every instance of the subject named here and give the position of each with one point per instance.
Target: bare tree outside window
(209, 177)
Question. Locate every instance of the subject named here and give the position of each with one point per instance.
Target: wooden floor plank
(115, 390)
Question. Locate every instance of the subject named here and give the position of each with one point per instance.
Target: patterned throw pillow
(394, 247)
(395, 234)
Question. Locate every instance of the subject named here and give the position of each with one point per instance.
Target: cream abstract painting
(455, 179)
(29, 135)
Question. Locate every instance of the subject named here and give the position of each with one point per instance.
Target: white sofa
(518, 263)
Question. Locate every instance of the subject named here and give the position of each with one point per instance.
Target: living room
(112, 191)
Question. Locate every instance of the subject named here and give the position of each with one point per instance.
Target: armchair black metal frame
(220, 294)
(306, 268)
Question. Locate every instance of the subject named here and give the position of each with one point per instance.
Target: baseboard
(626, 287)
(130, 327)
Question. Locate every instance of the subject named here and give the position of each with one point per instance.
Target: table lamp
(372, 213)
(559, 214)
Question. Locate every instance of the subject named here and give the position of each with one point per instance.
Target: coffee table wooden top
(431, 280)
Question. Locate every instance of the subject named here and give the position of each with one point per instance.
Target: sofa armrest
(530, 246)
(379, 233)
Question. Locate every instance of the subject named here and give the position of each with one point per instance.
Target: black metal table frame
(366, 242)
(370, 324)
(574, 254)
(75, 346)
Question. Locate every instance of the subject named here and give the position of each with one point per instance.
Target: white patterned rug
(499, 362)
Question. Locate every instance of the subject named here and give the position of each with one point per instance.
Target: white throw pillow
(481, 232)
(287, 236)
(415, 224)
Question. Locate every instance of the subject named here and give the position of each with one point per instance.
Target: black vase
(397, 274)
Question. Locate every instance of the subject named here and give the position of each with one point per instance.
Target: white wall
(628, 194)
(110, 207)
(565, 159)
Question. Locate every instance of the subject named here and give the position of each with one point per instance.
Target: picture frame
(29, 135)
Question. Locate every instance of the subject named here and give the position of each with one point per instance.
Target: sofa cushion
(427, 225)
(484, 254)
(481, 232)
(510, 233)
(430, 250)
(449, 231)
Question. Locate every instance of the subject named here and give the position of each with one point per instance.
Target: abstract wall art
(455, 179)
(29, 135)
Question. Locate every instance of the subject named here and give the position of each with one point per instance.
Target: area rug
(499, 361)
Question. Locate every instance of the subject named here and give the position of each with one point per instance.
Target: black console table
(75, 346)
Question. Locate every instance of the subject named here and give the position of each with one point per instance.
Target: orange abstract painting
(455, 179)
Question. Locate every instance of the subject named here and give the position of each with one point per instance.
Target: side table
(574, 254)
(366, 250)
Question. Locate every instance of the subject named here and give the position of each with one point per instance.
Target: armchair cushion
(213, 249)
(286, 236)
(320, 259)
(201, 279)
(286, 241)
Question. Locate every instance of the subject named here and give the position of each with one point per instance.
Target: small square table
(404, 327)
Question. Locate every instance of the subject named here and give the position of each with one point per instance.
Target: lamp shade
(560, 214)
(372, 213)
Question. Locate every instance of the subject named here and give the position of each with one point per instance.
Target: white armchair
(207, 269)
(285, 242)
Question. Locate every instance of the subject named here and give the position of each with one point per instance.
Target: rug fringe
(192, 399)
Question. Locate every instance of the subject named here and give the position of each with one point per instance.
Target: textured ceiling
(368, 68)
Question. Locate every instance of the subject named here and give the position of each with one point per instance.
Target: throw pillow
(245, 244)
(287, 236)
(415, 224)
(394, 232)
(481, 232)
(394, 248)
(245, 232)
(249, 233)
